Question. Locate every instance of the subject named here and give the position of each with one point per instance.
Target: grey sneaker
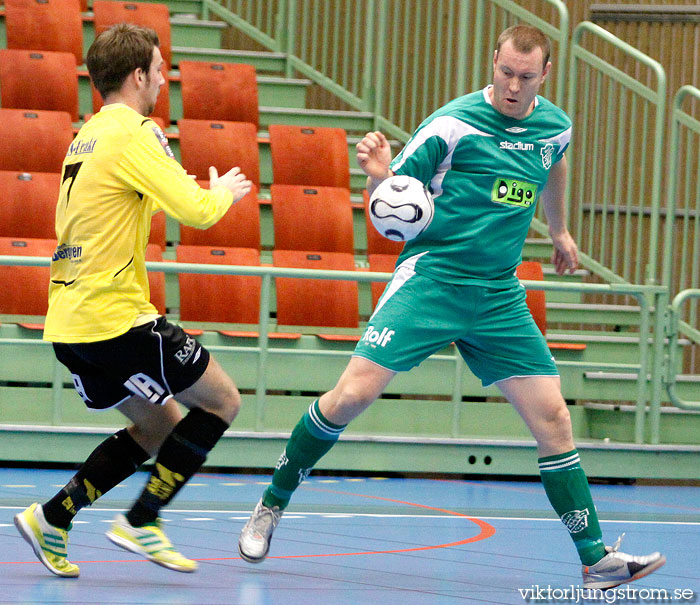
(617, 568)
(254, 541)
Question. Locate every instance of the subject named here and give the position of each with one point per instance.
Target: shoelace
(615, 547)
(262, 522)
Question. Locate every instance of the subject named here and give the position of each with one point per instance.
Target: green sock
(567, 489)
(311, 438)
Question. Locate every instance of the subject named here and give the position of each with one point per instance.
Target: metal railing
(674, 326)
(644, 295)
(681, 262)
(360, 50)
(617, 153)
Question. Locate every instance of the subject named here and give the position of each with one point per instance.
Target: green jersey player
(487, 157)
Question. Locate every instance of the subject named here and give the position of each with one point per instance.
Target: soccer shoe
(151, 542)
(47, 541)
(254, 542)
(617, 568)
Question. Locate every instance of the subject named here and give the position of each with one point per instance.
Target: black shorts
(154, 361)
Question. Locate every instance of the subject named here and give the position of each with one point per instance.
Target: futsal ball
(401, 208)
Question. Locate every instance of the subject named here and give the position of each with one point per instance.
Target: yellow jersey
(117, 172)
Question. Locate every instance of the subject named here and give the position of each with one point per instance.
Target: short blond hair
(525, 39)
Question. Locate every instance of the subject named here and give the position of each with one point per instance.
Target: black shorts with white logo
(154, 361)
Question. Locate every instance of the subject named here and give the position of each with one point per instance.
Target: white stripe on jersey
(405, 271)
(562, 140)
(450, 130)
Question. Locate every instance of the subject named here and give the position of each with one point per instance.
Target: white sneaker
(617, 568)
(254, 542)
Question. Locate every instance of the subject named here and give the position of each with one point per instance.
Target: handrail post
(457, 394)
(368, 91)
(379, 61)
(291, 18)
(263, 346)
(281, 27)
(642, 390)
(660, 312)
(57, 393)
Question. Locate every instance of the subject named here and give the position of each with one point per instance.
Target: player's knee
(224, 400)
(354, 394)
(229, 402)
(557, 423)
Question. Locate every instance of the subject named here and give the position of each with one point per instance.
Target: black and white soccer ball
(401, 208)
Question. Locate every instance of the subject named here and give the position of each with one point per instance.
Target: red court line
(486, 531)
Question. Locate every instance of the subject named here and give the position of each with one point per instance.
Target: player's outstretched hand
(234, 180)
(374, 155)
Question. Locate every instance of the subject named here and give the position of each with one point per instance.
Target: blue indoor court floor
(354, 541)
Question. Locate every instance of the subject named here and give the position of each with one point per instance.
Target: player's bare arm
(374, 157)
(565, 255)
(234, 180)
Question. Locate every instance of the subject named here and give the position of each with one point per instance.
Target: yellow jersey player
(119, 351)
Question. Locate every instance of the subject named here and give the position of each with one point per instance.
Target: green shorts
(492, 328)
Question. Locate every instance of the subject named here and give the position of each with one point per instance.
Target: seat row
(235, 299)
(58, 24)
(37, 141)
(41, 79)
(304, 217)
(214, 298)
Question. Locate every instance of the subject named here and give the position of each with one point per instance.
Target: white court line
(330, 515)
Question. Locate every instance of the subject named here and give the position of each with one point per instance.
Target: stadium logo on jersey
(513, 192)
(575, 520)
(516, 129)
(163, 141)
(376, 338)
(547, 152)
(517, 146)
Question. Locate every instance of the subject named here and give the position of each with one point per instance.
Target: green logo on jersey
(515, 193)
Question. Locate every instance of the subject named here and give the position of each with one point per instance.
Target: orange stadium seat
(316, 302)
(28, 204)
(219, 298)
(155, 16)
(34, 79)
(161, 112)
(219, 91)
(309, 156)
(239, 227)
(380, 263)
(205, 143)
(376, 242)
(157, 235)
(34, 141)
(312, 218)
(25, 289)
(55, 25)
(156, 279)
(156, 119)
(532, 270)
(536, 302)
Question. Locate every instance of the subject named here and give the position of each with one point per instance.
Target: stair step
(267, 62)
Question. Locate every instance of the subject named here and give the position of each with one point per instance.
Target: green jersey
(486, 172)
